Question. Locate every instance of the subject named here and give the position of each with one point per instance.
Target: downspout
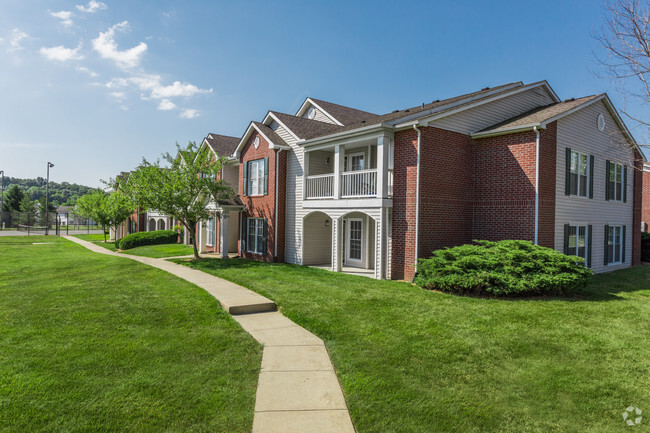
(536, 184)
(275, 224)
(417, 203)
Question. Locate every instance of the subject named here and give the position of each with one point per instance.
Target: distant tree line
(61, 194)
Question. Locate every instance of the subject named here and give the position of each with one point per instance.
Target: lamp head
(50, 164)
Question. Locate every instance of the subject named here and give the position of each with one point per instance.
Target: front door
(354, 250)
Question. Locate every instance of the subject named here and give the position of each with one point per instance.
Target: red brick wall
(547, 184)
(640, 203)
(504, 179)
(645, 196)
(445, 195)
(264, 206)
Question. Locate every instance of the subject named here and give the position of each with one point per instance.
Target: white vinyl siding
(491, 113)
(319, 115)
(578, 131)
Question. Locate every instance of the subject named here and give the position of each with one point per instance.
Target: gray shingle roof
(271, 134)
(539, 115)
(345, 115)
(223, 145)
(307, 128)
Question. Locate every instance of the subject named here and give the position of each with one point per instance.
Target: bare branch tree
(626, 40)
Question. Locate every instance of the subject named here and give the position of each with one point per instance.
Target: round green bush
(147, 238)
(504, 268)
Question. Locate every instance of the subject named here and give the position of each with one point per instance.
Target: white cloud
(16, 37)
(177, 89)
(107, 48)
(166, 105)
(189, 113)
(61, 53)
(64, 16)
(87, 71)
(93, 6)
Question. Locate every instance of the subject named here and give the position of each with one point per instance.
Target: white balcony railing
(359, 183)
(320, 186)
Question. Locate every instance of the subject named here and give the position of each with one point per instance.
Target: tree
(626, 40)
(181, 189)
(27, 211)
(51, 211)
(107, 210)
(12, 199)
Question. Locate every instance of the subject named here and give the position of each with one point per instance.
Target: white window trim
(260, 180)
(211, 232)
(618, 169)
(588, 174)
(248, 236)
(620, 245)
(586, 227)
(352, 155)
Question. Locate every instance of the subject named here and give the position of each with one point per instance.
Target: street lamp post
(47, 185)
(2, 195)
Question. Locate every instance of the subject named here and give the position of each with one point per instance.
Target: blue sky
(95, 86)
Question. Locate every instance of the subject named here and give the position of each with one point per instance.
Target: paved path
(297, 391)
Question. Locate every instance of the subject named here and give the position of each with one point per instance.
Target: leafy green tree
(12, 199)
(27, 213)
(51, 212)
(180, 189)
(107, 210)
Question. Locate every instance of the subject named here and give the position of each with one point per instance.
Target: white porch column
(383, 144)
(380, 244)
(224, 234)
(339, 155)
(202, 237)
(336, 244)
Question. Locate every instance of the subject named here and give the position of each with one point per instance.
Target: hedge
(147, 238)
(504, 268)
(645, 247)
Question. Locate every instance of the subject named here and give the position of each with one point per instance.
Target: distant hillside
(63, 193)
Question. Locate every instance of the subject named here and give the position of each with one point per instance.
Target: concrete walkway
(297, 391)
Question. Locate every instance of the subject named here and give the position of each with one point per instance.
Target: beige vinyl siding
(476, 119)
(579, 131)
(231, 175)
(294, 212)
(320, 116)
(283, 133)
(233, 231)
(319, 248)
(318, 162)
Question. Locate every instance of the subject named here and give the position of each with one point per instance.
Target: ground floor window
(256, 242)
(211, 231)
(577, 241)
(614, 244)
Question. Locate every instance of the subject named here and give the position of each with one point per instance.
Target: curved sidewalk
(297, 391)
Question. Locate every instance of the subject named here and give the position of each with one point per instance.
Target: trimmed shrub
(147, 238)
(505, 268)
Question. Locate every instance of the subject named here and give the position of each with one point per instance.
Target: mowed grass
(104, 344)
(411, 360)
(154, 251)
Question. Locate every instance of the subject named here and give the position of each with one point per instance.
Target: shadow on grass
(611, 286)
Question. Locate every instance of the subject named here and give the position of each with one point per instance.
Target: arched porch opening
(161, 224)
(152, 224)
(317, 239)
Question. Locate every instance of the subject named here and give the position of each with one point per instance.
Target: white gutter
(417, 203)
(536, 185)
(275, 224)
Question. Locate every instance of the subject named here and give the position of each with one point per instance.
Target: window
(579, 168)
(211, 231)
(256, 241)
(614, 244)
(256, 177)
(616, 182)
(577, 241)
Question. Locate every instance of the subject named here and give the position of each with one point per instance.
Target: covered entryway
(317, 241)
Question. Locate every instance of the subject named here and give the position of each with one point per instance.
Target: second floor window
(579, 176)
(616, 186)
(256, 177)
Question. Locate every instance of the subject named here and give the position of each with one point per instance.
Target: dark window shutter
(244, 187)
(567, 185)
(566, 238)
(623, 251)
(591, 176)
(266, 175)
(607, 163)
(264, 236)
(606, 254)
(589, 236)
(244, 234)
(624, 183)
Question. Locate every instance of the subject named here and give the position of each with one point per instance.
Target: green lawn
(93, 343)
(155, 251)
(411, 360)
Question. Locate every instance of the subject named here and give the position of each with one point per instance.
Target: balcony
(321, 186)
(354, 184)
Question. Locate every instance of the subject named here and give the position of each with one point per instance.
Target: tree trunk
(104, 230)
(192, 230)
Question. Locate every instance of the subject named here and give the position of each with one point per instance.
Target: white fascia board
(622, 125)
(247, 134)
(274, 117)
(448, 110)
(512, 130)
(343, 134)
(571, 111)
(268, 140)
(303, 108)
(347, 140)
